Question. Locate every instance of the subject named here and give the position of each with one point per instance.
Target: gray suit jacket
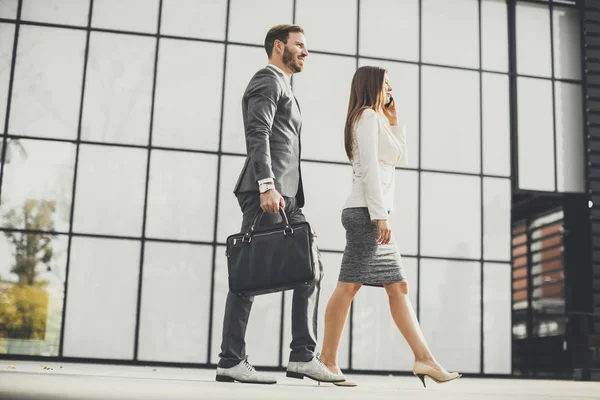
(272, 123)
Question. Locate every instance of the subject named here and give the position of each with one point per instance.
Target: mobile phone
(389, 103)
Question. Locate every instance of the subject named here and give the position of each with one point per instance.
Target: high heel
(421, 370)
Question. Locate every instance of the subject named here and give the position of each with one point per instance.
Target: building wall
(128, 139)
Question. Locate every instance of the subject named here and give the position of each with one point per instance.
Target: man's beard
(288, 61)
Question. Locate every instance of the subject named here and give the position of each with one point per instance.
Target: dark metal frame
(220, 153)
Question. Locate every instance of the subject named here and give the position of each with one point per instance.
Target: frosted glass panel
(48, 78)
(174, 328)
(323, 90)
(193, 18)
(451, 128)
(317, 17)
(404, 79)
(325, 215)
(496, 125)
(118, 88)
(110, 195)
(450, 215)
(7, 36)
(450, 32)
(569, 138)
(496, 219)
(450, 312)
(37, 188)
(8, 9)
(533, 40)
(405, 217)
(494, 35)
(102, 298)
(497, 319)
(181, 197)
(126, 15)
(187, 107)
(253, 30)
(536, 137)
(66, 12)
(377, 343)
(242, 63)
(567, 45)
(263, 331)
(331, 268)
(230, 214)
(402, 31)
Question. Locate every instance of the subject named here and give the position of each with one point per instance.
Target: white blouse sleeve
(367, 140)
(400, 134)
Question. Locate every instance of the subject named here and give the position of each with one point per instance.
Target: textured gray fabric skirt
(365, 261)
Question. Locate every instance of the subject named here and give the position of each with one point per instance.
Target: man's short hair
(279, 32)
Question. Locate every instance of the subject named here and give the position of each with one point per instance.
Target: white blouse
(377, 150)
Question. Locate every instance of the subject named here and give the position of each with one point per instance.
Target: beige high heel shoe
(422, 370)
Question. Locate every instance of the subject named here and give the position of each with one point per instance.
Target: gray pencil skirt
(365, 261)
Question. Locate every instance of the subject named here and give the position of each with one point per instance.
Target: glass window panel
(110, 190)
(8, 9)
(331, 268)
(264, 326)
(450, 215)
(37, 189)
(450, 312)
(405, 217)
(569, 137)
(494, 35)
(187, 106)
(497, 338)
(323, 89)
(451, 127)
(230, 215)
(46, 94)
(496, 125)
(451, 32)
(102, 298)
(404, 79)
(536, 137)
(567, 45)
(7, 37)
(253, 30)
(193, 18)
(118, 89)
(496, 219)
(403, 31)
(317, 17)
(377, 344)
(66, 12)
(325, 215)
(181, 198)
(174, 328)
(533, 40)
(242, 63)
(41, 292)
(126, 15)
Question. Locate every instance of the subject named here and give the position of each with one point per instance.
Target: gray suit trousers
(304, 305)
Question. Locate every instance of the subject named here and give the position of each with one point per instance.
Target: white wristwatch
(265, 187)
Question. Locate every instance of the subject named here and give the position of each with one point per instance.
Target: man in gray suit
(271, 178)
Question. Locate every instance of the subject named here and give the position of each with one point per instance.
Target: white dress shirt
(377, 150)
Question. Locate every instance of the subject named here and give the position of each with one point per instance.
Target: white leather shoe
(313, 369)
(244, 372)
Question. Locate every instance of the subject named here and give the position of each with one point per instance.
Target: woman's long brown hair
(366, 92)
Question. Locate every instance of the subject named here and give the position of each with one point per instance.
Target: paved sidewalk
(35, 380)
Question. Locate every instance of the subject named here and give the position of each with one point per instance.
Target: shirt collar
(285, 76)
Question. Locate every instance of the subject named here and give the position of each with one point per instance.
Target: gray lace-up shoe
(244, 372)
(313, 369)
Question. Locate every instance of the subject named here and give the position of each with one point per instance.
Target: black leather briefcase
(273, 258)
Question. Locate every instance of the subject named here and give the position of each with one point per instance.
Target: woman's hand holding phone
(389, 110)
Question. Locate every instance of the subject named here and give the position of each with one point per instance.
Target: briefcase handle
(256, 222)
